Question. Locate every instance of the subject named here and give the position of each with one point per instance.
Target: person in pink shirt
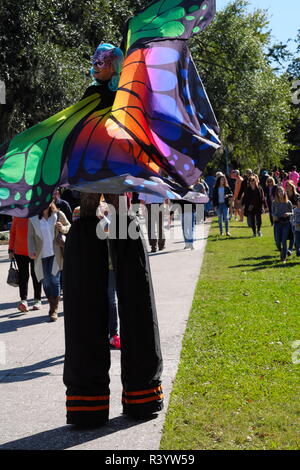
(294, 175)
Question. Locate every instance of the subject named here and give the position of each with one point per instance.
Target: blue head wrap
(114, 55)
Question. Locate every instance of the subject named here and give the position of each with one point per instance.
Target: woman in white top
(221, 200)
(44, 248)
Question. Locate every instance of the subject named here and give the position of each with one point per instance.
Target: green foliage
(45, 49)
(251, 101)
(294, 66)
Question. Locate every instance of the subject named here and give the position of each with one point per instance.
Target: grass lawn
(238, 383)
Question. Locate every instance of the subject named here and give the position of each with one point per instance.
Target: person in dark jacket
(254, 204)
(269, 191)
(62, 205)
(222, 195)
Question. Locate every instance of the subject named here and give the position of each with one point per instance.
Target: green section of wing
(37, 152)
(158, 20)
(170, 19)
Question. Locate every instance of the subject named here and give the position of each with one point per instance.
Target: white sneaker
(259, 234)
(37, 305)
(23, 306)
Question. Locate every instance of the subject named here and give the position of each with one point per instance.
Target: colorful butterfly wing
(31, 164)
(170, 19)
(108, 156)
(161, 97)
(161, 119)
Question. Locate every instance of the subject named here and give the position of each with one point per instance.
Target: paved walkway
(32, 412)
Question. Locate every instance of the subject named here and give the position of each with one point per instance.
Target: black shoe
(153, 249)
(143, 412)
(289, 252)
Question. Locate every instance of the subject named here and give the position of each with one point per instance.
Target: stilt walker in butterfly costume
(87, 355)
(114, 140)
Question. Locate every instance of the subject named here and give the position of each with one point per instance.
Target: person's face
(102, 69)
(46, 212)
(280, 193)
(270, 183)
(222, 181)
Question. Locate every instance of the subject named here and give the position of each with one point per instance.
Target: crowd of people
(249, 196)
(37, 243)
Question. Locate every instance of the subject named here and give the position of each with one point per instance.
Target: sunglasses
(99, 62)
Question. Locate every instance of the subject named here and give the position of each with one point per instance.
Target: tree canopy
(45, 48)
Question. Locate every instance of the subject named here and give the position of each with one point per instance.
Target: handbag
(13, 274)
(61, 239)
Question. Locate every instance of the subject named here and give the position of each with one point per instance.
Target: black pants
(23, 263)
(86, 315)
(155, 225)
(255, 220)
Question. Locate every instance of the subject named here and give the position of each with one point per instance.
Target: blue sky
(284, 17)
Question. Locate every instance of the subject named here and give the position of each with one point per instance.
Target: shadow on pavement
(68, 436)
(23, 373)
(14, 323)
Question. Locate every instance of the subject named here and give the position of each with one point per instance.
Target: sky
(284, 17)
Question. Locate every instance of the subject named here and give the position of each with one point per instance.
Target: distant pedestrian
(292, 192)
(238, 210)
(270, 195)
(222, 195)
(210, 181)
(254, 204)
(18, 249)
(284, 180)
(202, 187)
(155, 220)
(71, 196)
(296, 225)
(45, 249)
(264, 175)
(244, 185)
(62, 205)
(282, 210)
(188, 221)
(294, 175)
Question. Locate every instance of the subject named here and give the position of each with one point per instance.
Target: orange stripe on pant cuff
(142, 400)
(87, 408)
(86, 398)
(143, 392)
